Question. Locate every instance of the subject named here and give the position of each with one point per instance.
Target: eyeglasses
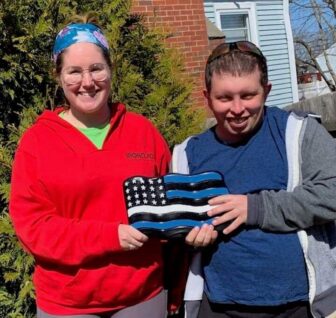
(243, 46)
(74, 75)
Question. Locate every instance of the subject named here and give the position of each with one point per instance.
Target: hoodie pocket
(115, 285)
(91, 287)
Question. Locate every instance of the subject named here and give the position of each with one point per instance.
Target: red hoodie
(66, 204)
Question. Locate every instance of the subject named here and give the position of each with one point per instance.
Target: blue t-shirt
(251, 266)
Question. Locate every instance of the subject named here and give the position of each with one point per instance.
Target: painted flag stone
(170, 206)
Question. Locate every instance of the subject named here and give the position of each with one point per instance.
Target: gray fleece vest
(318, 243)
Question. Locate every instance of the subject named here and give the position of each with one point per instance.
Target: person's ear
(207, 98)
(205, 93)
(267, 89)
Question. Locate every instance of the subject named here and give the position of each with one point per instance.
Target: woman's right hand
(201, 237)
(130, 238)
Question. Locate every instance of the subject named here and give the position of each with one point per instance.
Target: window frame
(248, 8)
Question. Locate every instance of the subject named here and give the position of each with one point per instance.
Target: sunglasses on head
(243, 46)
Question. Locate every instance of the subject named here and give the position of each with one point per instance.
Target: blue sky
(302, 19)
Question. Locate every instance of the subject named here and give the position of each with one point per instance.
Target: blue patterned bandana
(76, 33)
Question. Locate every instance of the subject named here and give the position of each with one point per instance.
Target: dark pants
(291, 310)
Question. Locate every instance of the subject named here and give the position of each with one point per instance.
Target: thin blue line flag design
(170, 206)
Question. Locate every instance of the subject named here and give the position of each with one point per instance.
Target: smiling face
(89, 98)
(237, 102)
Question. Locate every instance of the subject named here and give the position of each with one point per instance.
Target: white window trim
(239, 7)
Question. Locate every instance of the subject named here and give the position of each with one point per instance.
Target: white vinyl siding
(267, 30)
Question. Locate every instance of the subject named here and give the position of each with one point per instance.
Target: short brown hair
(237, 63)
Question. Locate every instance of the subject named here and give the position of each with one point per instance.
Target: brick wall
(184, 20)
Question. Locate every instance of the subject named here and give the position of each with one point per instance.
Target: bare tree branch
(315, 32)
(314, 63)
(332, 5)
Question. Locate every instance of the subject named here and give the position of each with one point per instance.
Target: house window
(235, 26)
(237, 20)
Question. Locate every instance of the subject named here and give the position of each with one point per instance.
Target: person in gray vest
(271, 248)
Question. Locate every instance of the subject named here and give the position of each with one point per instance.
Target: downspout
(291, 51)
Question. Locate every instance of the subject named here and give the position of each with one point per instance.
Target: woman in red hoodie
(67, 201)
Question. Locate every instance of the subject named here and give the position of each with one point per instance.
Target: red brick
(184, 20)
(197, 11)
(145, 2)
